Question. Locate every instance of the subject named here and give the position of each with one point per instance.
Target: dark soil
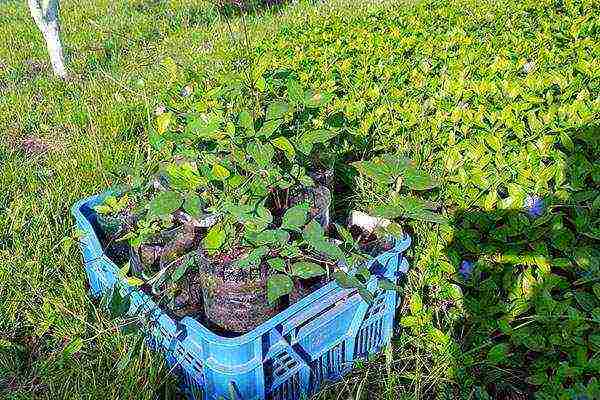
(304, 287)
(189, 299)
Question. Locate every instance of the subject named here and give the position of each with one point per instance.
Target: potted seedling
(269, 196)
(392, 182)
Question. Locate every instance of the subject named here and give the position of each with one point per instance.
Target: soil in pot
(188, 301)
(235, 298)
(304, 287)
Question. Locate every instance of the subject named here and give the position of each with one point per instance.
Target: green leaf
(314, 235)
(344, 234)
(307, 140)
(295, 92)
(165, 203)
(184, 176)
(345, 280)
(596, 290)
(262, 153)
(438, 337)
(562, 238)
(246, 121)
(277, 110)
(133, 281)
(230, 129)
(261, 84)
(313, 99)
(102, 209)
(586, 300)
(258, 187)
(253, 258)
(396, 164)
(379, 172)
(193, 205)
(416, 304)
(278, 285)
(215, 238)
(313, 232)
(181, 270)
(386, 284)
(72, 348)
(277, 264)
(204, 127)
(269, 127)
(324, 246)
(498, 353)
(416, 179)
(118, 304)
(275, 237)
(283, 144)
(410, 322)
(409, 208)
(220, 172)
(366, 295)
(163, 121)
(595, 342)
(307, 270)
(295, 217)
(566, 141)
(258, 218)
(124, 270)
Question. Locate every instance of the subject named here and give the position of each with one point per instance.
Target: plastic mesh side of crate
(329, 367)
(283, 369)
(369, 339)
(290, 390)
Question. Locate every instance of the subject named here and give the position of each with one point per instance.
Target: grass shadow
(529, 277)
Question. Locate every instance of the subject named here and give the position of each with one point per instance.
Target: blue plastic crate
(289, 357)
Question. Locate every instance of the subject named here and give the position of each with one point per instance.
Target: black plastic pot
(162, 248)
(319, 200)
(112, 228)
(235, 299)
(319, 197)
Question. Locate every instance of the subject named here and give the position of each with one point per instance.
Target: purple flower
(534, 205)
(466, 269)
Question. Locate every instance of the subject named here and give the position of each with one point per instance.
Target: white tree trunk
(45, 15)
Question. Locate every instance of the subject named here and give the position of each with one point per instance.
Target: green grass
(441, 82)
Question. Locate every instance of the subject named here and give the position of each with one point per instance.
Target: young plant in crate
(395, 180)
(241, 204)
(392, 181)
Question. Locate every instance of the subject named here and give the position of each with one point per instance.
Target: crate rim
(94, 243)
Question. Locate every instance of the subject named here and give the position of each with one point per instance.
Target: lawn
(499, 100)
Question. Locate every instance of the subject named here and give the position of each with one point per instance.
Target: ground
(499, 100)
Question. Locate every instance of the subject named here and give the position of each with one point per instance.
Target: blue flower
(534, 205)
(466, 269)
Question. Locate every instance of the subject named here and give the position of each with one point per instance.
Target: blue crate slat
(289, 357)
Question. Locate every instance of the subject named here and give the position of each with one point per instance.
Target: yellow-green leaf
(283, 144)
